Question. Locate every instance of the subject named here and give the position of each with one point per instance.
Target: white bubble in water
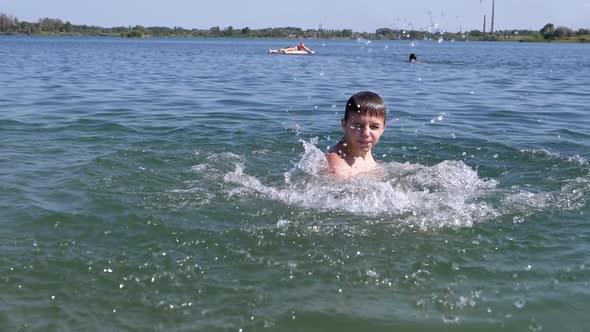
(372, 274)
(519, 303)
(450, 319)
(282, 223)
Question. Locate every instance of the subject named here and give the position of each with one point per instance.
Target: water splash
(447, 194)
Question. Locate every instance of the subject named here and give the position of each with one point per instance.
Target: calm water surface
(178, 184)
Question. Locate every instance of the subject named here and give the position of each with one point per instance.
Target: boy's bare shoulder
(337, 165)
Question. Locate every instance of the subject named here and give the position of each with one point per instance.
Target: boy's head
(366, 103)
(363, 122)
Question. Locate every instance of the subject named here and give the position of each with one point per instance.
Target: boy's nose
(365, 131)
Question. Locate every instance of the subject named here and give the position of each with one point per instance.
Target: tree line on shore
(54, 26)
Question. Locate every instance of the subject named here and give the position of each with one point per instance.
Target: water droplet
(421, 303)
(519, 303)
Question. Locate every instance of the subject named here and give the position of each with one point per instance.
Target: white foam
(445, 194)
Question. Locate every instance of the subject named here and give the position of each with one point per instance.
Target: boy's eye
(375, 127)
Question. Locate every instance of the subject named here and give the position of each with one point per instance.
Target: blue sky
(366, 15)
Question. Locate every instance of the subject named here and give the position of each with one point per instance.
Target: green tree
(229, 31)
(7, 22)
(215, 32)
(67, 27)
(50, 24)
(547, 31)
(135, 34)
(475, 33)
(561, 32)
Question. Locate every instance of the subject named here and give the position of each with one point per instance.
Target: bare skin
(352, 155)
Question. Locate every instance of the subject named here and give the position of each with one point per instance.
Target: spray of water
(447, 194)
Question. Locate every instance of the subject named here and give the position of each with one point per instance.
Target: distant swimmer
(302, 47)
(413, 57)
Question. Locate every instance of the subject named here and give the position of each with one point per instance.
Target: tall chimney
(484, 23)
(493, 9)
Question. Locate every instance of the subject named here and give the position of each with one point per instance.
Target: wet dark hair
(366, 102)
(413, 57)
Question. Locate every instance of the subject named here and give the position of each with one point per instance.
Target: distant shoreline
(525, 39)
(10, 25)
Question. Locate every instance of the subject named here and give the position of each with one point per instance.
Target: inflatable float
(288, 51)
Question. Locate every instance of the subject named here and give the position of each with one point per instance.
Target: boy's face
(362, 131)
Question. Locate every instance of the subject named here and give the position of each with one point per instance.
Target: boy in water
(363, 124)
